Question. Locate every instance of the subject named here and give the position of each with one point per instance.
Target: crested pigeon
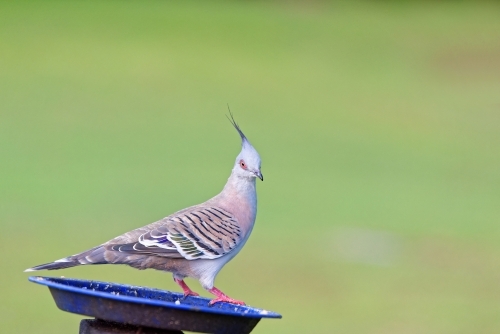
(195, 242)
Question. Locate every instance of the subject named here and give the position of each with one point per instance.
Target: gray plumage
(195, 242)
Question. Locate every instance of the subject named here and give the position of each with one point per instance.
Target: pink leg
(185, 288)
(221, 297)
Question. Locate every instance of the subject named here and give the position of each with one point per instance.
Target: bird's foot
(226, 300)
(187, 291)
(190, 293)
(222, 297)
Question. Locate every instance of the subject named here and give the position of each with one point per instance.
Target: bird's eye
(243, 164)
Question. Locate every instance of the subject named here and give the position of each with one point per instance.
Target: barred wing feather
(200, 233)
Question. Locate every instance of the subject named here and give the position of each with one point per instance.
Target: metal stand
(97, 326)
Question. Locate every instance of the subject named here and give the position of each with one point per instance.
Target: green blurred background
(378, 124)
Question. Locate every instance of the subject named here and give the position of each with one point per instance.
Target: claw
(226, 300)
(190, 293)
(222, 297)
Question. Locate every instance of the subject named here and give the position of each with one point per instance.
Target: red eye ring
(243, 164)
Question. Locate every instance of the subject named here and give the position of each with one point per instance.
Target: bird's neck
(241, 188)
(239, 197)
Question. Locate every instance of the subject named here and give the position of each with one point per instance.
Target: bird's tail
(59, 264)
(91, 256)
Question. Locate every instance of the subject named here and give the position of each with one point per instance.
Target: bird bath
(137, 307)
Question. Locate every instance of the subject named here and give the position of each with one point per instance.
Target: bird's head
(247, 164)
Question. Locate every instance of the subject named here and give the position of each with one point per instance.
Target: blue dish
(148, 307)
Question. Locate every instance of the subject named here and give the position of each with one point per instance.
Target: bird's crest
(236, 126)
(248, 154)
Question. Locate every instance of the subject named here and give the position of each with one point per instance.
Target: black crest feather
(236, 126)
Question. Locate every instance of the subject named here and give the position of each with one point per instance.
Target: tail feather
(91, 256)
(59, 264)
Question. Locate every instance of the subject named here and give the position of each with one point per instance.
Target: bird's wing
(197, 233)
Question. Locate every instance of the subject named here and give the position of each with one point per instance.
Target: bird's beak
(259, 175)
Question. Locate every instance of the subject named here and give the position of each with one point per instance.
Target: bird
(194, 242)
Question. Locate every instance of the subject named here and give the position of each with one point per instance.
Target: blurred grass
(381, 116)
